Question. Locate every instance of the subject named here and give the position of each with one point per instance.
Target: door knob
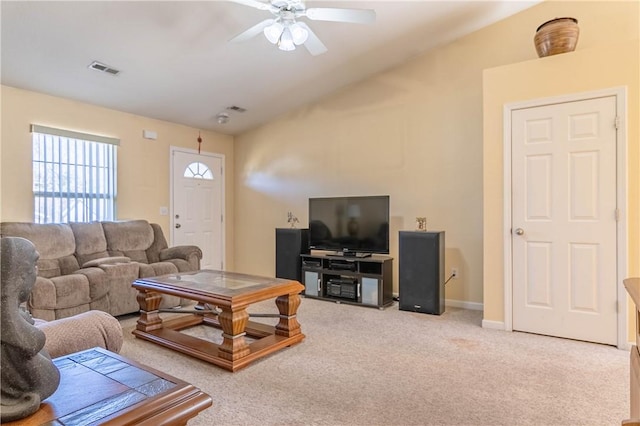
(519, 231)
(178, 225)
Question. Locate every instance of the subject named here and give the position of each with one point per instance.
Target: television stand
(364, 281)
(353, 254)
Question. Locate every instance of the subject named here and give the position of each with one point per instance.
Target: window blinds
(74, 176)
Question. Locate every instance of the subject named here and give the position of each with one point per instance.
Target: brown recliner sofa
(90, 266)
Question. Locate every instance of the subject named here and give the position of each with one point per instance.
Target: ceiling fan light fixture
(298, 33)
(284, 31)
(223, 118)
(286, 41)
(273, 32)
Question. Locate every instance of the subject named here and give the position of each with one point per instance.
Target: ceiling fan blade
(357, 16)
(313, 43)
(253, 31)
(253, 3)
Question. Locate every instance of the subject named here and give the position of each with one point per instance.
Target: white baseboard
(499, 325)
(474, 306)
(494, 325)
(627, 346)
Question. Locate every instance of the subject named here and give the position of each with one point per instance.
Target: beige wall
(414, 133)
(143, 165)
(575, 72)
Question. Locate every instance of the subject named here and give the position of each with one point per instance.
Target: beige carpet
(363, 366)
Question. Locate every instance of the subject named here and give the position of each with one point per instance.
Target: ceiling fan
(287, 32)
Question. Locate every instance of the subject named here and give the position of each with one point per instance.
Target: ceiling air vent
(236, 108)
(95, 65)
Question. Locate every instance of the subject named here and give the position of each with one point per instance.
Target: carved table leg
(288, 325)
(149, 302)
(233, 324)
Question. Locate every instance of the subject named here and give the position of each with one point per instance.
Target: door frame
(620, 94)
(172, 149)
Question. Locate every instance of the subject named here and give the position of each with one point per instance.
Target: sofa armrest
(191, 254)
(80, 332)
(43, 296)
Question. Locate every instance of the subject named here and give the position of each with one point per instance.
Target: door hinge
(616, 122)
(617, 214)
(221, 218)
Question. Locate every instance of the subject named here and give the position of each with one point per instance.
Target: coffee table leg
(149, 302)
(233, 324)
(288, 325)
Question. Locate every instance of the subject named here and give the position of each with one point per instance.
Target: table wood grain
(101, 387)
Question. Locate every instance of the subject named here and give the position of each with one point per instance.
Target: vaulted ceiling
(176, 62)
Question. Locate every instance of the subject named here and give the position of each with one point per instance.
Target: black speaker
(421, 273)
(290, 244)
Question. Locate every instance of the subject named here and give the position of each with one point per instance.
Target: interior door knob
(519, 231)
(178, 225)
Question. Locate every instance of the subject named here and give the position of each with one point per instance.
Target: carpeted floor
(363, 366)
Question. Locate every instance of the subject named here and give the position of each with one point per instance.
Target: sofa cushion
(68, 265)
(106, 261)
(146, 271)
(54, 241)
(164, 268)
(71, 290)
(48, 268)
(129, 238)
(90, 242)
(182, 265)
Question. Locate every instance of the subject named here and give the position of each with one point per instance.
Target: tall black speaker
(421, 272)
(290, 244)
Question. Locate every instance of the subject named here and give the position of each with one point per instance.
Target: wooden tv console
(364, 281)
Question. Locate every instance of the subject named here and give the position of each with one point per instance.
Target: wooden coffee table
(100, 387)
(232, 293)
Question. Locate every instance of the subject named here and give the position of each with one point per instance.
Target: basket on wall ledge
(559, 35)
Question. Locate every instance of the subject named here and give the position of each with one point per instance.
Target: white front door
(564, 220)
(197, 204)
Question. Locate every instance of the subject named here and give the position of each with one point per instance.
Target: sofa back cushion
(159, 244)
(91, 243)
(129, 238)
(53, 241)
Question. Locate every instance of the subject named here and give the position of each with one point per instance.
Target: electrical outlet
(454, 272)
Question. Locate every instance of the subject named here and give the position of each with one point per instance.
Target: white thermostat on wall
(150, 134)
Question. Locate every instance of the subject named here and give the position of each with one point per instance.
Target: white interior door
(197, 204)
(564, 220)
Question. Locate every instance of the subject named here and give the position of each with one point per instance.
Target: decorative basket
(559, 35)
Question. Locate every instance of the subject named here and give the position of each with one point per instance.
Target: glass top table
(232, 293)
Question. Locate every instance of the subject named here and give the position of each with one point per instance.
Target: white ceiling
(177, 65)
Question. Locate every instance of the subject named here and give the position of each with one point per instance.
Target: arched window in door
(198, 171)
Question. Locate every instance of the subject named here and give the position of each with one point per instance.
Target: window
(74, 176)
(198, 171)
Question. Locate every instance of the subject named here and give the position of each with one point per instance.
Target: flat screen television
(350, 226)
